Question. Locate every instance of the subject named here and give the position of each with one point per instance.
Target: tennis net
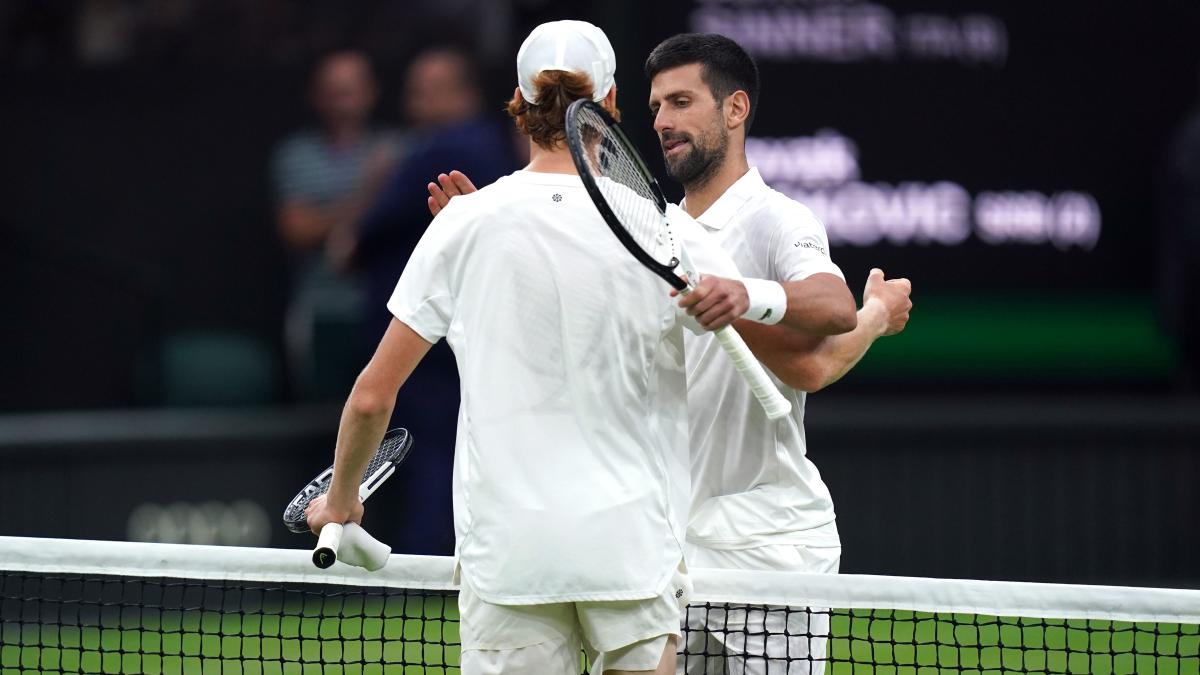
(108, 607)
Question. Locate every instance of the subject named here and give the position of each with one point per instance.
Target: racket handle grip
(772, 402)
(328, 543)
(352, 545)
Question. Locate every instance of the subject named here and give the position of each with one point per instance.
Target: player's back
(572, 430)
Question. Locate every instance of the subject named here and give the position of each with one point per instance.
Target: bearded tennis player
(758, 503)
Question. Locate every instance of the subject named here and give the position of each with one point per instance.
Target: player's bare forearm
(361, 429)
(840, 353)
(369, 407)
(819, 305)
(810, 362)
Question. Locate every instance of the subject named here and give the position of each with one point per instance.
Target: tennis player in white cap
(571, 484)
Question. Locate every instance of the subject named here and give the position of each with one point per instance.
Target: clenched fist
(893, 296)
(321, 512)
(715, 302)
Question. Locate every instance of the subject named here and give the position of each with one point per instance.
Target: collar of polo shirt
(731, 201)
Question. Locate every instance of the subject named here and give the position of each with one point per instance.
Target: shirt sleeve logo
(809, 244)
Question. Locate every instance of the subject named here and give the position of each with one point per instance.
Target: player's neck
(557, 160)
(697, 198)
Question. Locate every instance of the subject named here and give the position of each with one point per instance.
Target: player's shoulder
(774, 211)
(777, 202)
(483, 201)
(491, 209)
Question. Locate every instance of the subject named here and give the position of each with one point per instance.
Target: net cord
(847, 591)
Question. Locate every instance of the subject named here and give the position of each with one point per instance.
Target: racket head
(391, 452)
(624, 191)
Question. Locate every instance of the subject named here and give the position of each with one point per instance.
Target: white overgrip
(352, 545)
(772, 402)
(362, 550)
(328, 543)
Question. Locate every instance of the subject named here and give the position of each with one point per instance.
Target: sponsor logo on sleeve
(812, 245)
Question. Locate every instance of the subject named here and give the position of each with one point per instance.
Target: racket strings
(393, 449)
(626, 187)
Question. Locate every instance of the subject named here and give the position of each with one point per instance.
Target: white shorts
(549, 638)
(758, 641)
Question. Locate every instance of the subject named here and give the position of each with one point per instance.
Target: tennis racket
(632, 204)
(391, 453)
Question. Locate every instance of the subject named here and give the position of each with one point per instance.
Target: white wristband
(768, 301)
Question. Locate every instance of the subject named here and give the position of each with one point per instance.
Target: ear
(517, 93)
(610, 99)
(737, 109)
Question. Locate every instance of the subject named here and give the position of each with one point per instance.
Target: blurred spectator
(323, 180)
(444, 103)
(1182, 268)
(106, 32)
(443, 100)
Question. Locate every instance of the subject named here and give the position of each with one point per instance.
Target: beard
(701, 162)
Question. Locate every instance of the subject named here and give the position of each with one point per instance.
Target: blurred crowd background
(205, 206)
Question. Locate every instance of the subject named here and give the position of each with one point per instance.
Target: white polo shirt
(752, 482)
(570, 473)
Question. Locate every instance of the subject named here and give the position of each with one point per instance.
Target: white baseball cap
(575, 46)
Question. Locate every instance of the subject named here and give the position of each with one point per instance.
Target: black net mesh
(107, 624)
(74, 624)
(625, 186)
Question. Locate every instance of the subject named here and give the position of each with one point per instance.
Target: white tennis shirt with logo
(752, 482)
(571, 474)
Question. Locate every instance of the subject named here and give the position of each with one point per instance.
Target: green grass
(399, 635)
(911, 643)
(419, 635)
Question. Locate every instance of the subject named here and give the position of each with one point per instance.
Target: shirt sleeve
(424, 297)
(800, 246)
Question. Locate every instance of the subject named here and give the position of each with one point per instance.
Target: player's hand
(893, 296)
(321, 512)
(446, 188)
(715, 302)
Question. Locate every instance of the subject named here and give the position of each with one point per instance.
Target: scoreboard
(1004, 156)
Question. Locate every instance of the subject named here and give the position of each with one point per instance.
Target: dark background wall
(1033, 422)
(137, 203)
